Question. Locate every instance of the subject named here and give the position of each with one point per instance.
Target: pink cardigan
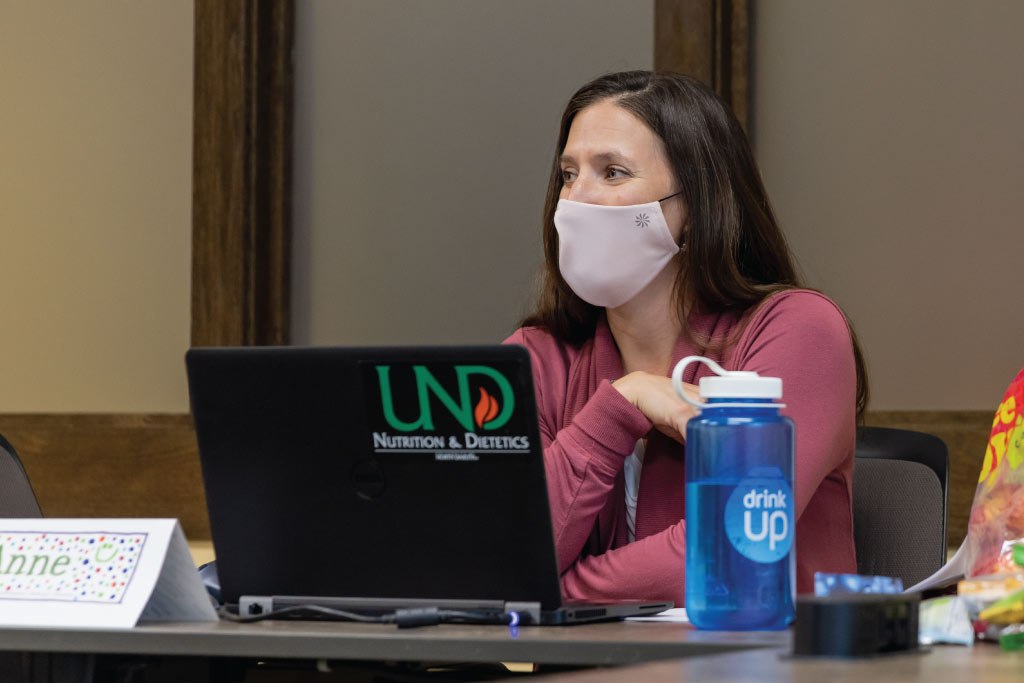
(588, 430)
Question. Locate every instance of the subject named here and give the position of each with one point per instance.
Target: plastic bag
(945, 620)
(997, 514)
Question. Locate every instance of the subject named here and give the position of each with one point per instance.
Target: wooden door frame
(708, 39)
(242, 172)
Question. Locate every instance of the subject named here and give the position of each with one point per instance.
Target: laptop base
(479, 611)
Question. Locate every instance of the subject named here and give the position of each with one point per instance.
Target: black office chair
(899, 503)
(16, 496)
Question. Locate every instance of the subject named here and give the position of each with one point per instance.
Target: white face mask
(607, 254)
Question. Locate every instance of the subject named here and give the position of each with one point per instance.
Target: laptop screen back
(374, 472)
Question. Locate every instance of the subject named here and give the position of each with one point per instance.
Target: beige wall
(890, 138)
(95, 205)
(888, 135)
(424, 137)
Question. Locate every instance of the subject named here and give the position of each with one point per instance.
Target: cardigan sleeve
(802, 337)
(583, 458)
(652, 568)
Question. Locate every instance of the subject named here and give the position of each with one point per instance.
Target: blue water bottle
(740, 512)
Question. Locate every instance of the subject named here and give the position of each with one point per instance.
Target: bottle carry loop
(741, 375)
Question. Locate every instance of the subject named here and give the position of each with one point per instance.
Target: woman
(660, 243)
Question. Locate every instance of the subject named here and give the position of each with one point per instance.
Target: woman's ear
(684, 233)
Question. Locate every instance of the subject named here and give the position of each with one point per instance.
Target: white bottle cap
(738, 384)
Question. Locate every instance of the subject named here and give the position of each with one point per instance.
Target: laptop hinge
(255, 605)
(362, 604)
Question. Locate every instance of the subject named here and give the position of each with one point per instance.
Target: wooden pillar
(242, 172)
(708, 39)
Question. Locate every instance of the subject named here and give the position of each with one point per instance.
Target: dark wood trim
(966, 435)
(242, 172)
(708, 39)
(148, 465)
(136, 465)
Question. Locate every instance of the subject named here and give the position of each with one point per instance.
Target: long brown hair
(735, 257)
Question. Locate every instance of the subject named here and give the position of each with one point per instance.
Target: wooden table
(651, 653)
(207, 648)
(983, 663)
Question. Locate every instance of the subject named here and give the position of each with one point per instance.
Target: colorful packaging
(993, 587)
(839, 584)
(982, 592)
(1009, 610)
(1012, 637)
(996, 525)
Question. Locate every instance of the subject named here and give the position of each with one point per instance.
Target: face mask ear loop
(682, 238)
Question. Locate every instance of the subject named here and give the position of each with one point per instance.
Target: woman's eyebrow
(607, 157)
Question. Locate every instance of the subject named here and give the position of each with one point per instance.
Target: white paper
(676, 615)
(179, 594)
(97, 573)
(954, 570)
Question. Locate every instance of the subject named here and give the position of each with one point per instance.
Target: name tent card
(102, 573)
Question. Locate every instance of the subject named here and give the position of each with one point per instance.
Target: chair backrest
(16, 496)
(899, 503)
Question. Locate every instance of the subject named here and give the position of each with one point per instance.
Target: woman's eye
(568, 176)
(615, 172)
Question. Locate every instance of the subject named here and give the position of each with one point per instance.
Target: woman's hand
(657, 400)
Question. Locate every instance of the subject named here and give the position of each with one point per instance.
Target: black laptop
(371, 479)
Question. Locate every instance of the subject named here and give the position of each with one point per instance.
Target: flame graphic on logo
(486, 408)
